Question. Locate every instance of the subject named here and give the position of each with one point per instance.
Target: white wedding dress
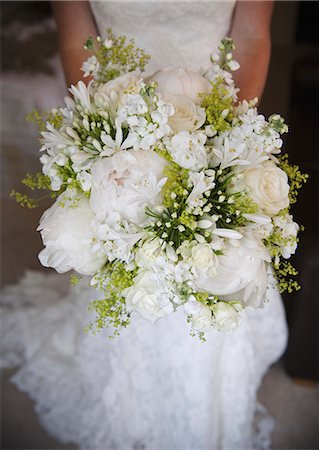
(155, 387)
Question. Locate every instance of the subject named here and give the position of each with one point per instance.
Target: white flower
(268, 187)
(201, 184)
(203, 259)
(225, 316)
(201, 315)
(118, 89)
(187, 116)
(149, 296)
(150, 253)
(85, 180)
(115, 145)
(178, 81)
(82, 93)
(227, 156)
(146, 131)
(241, 270)
(126, 183)
(65, 231)
(107, 43)
(200, 258)
(250, 140)
(116, 239)
(91, 66)
(288, 229)
(188, 150)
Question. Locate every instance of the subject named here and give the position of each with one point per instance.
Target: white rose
(65, 231)
(125, 183)
(149, 253)
(268, 186)
(187, 116)
(203, 258)
(201, 315)
(118, 88)
(225, 317)
(178, 81)
(149, 296)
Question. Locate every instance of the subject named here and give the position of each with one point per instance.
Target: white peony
(225, 317)
(149, 296)
(125, 183)
(268, 187)
(178, 81)
(187, 115)
(188, 150)
(241, 271)
(65, 231)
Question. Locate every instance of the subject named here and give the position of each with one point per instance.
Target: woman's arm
(251, 35)
(75, 24)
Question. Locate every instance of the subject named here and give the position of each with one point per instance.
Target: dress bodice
(174, 33)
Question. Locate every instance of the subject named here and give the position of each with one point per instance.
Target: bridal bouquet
(170, 193)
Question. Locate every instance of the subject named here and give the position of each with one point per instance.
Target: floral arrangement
(169, 192)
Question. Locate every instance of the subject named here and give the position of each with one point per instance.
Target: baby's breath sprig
(111, 310)
(115, 56)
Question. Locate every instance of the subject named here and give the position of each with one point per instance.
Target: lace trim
(128, 393)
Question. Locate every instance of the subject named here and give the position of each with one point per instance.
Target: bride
(153, 387)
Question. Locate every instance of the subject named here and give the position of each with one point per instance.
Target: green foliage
(74, 279)
(24, 200)
(202, 297)
(277, 123)
(111, 310)
(34, 181)
(284, 270)
(37, 181)
(218, 106)
(40, 119)
(285, 273)
(177, 180)
(229, 211)
(121, 56)
(296, 178)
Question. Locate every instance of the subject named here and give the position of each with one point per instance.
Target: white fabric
(154, 387)
(174, 33)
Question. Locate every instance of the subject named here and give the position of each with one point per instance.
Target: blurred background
(31, 77)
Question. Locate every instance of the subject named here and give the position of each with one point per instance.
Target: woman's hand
(251, 35)
(75, 24)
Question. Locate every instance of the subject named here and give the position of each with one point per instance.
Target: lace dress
(154, 387)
